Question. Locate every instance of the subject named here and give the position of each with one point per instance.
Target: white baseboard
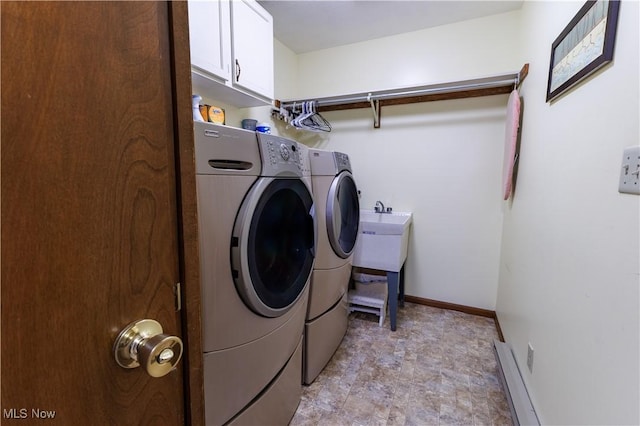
(522, 412)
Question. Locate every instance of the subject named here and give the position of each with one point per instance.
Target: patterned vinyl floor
(437, 368)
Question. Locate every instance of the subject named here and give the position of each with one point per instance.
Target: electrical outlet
(530, 357)
(630, 171)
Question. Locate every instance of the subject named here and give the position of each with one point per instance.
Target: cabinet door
(252, 37)
(209, 37)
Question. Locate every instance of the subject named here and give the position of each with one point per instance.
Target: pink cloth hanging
(510, 140)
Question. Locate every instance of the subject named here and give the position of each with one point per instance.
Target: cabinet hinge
(178, 295)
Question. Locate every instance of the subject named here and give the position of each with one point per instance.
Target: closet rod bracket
(375, 107)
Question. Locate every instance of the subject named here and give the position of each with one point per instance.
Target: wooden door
(90, 236)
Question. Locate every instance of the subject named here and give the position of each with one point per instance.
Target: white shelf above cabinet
(211, 88)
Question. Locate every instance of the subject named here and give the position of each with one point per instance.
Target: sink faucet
(379, 208)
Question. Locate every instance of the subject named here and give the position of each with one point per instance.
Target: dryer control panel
(342, 161)
(280, 156)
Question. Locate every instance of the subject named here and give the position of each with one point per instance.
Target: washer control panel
(280, 156)
(303, 155)
(284, 151)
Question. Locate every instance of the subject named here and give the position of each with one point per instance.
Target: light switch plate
(630, 171)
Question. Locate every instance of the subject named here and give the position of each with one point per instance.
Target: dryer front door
(272, 245)
(343, 214)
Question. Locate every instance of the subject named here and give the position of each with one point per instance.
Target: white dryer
(256, 254)
(338, 218)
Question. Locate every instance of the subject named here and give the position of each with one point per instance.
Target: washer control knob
(284, 152)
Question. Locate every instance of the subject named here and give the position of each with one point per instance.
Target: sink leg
(401, 293)
(395, 286)
(392, 286)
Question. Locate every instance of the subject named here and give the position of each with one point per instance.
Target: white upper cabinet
(232, 51)
(210, 37)
(252, 35)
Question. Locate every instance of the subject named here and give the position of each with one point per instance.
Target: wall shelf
(487, 86)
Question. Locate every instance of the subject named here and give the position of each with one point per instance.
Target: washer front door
(272, 245)
(343, 214)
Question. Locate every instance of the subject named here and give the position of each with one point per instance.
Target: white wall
(569, 271)
(469, 49)
(440, 160)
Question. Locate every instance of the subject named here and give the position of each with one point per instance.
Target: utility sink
(395, 223)
(382, 240)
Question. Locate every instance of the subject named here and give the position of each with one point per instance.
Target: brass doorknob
(143, 343)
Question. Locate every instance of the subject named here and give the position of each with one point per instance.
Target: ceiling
(308, 25)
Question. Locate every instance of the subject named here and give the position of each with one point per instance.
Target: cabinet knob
(237, 71)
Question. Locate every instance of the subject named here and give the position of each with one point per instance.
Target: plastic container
(249, 124)
(212, 114)
(263, 128)
(195, 103)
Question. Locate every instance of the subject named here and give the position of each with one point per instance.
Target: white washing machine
(338, 218)
(305, 166)
(256, 226)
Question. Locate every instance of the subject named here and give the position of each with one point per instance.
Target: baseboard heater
(522, 412)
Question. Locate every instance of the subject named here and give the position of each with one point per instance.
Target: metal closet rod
(502, 80)
(494, 85)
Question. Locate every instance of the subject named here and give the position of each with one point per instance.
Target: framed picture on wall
(584, 46)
